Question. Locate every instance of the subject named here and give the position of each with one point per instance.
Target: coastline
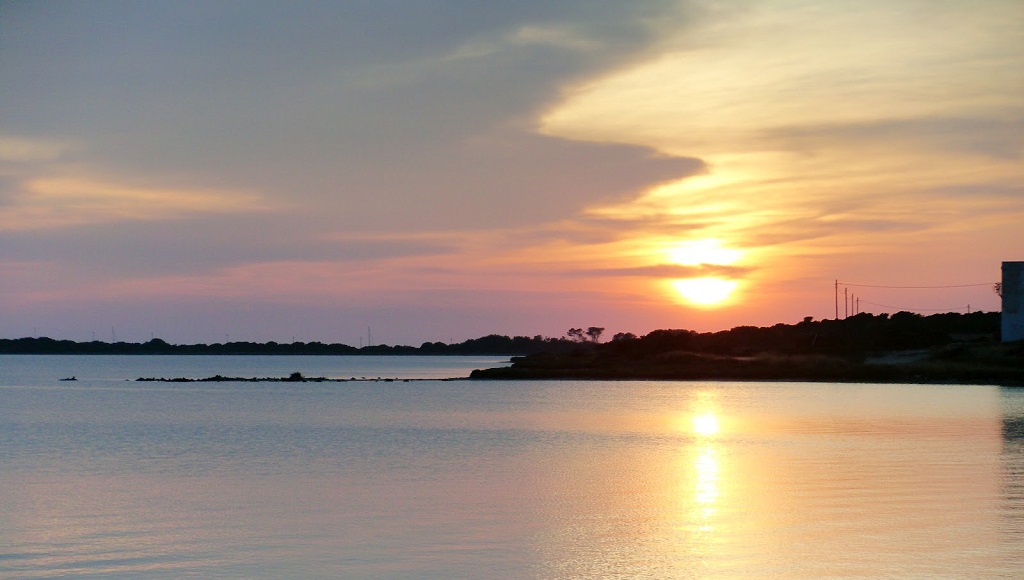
(899, 348)
(1001, 365)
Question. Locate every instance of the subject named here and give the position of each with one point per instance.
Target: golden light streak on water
(707, 486)
(705, 424)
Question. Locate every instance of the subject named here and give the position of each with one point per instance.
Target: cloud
(200, 245)
(368, 109)
(994, 137)
(662, 271)
(745, 67)
(878, 119)
(52, 202)
(20, 150)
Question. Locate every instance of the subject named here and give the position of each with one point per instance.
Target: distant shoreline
(492, 345)
(901, 348)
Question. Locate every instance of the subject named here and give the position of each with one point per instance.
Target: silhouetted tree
(594, 333)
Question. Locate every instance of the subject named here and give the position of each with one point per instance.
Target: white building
(1013, 301)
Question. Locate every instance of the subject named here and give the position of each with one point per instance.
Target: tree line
(487, 345)
(857, 334)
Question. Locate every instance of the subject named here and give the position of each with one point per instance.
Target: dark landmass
(295, 377)
(966, 365)
(903, 348)
(488, 345)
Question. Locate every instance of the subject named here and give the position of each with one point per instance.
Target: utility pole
(837, 299)
(846, 302)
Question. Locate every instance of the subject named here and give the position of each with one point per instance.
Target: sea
(401, 474)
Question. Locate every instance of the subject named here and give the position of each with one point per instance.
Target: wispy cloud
(662, 271)
(15, 149)
(832, 115)
(54, 202)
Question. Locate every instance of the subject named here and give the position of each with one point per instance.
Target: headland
(903, 348)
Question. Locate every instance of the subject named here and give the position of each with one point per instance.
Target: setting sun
(706, 251)
(704, 291)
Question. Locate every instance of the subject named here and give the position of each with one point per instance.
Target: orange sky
(445, 171)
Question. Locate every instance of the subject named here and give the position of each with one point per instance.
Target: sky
(439, 170)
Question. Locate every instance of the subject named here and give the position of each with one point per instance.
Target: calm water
(110, 478)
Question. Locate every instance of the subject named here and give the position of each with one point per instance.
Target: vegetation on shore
(488, 345)
(905, 347)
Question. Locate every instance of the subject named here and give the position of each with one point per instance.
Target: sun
(704, 291)
(700, 252)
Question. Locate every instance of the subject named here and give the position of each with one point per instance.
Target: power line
(847, 298)
(919, 287)
(918, 309)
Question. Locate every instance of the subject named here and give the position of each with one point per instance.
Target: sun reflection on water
(707, 486)
(707, 468)
(705, 463)
(705, 424)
